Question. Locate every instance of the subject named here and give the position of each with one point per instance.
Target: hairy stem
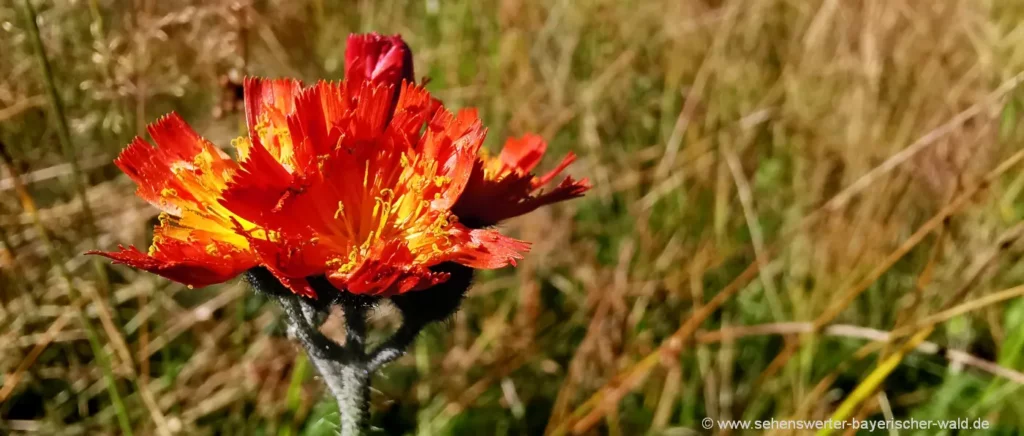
(395, 346)
(343, 368)
(346, 369)
(353, 397)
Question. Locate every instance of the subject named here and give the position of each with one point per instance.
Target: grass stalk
(79, 180)
(29, 206)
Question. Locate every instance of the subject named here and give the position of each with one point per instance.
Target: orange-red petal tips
(503, 187)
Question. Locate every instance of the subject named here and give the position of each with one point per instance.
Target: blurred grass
(714, 132)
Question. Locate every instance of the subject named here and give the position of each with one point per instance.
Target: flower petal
(181, 172)
(195, 258)
(485, 248)
(375, 58)
(414, 108)
(268, 102)
(453, 141)
(390, 270)
(258, 187)
(503, 187)
(523, 154)
(285, 262)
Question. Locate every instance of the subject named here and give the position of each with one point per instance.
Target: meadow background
(801, 209)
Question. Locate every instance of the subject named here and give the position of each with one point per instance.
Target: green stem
(353, 394)
(64, 135)
(346, 369)
(353, 398)
(343, 368)
(395, 346)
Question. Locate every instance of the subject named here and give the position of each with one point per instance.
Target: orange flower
(504, 187)
(364, 182)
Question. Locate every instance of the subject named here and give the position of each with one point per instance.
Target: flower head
(503, 187)
(359, 181)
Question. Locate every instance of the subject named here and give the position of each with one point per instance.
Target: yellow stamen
(366, 175)
(340, 211)
(243, 145)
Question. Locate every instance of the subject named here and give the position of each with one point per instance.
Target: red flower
(355, 181)
(504, 187)
(381, 59)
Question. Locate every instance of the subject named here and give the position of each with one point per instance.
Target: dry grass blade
(11, 381)
(869, 385)
(760, 161)
(849, 295)
(756, 232)
(60, 170)
(928, 140)
(960, 309)
(28, 204)
(20, 106)
(696, 90)
(852, 331)
(590, 411)
(1003, 242)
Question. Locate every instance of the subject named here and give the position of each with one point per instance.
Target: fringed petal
(268, 104)
(182, 171)
(523, 154)
(486, 248)
(415, 108)
(452, 141)
(504, 187)
(391, 270)
(266, 99)
(194, 258)
(194, 273)
(259, 187)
